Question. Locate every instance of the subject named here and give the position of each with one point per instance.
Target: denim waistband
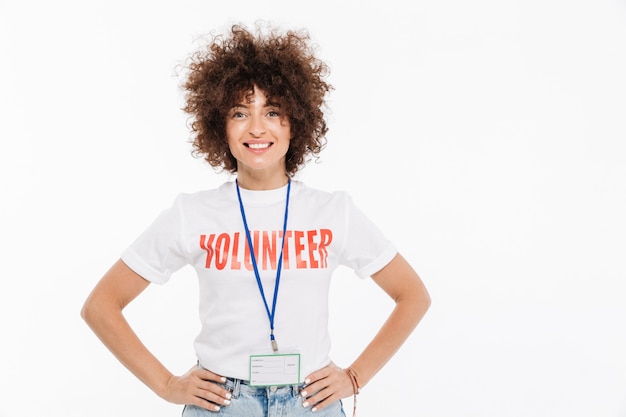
(238, 386)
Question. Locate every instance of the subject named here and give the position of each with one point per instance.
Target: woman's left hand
(326, 386)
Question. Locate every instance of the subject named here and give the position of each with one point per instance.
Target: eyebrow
(247, 105)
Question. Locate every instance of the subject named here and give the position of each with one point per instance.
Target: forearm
(332, 383)
(402, 321)
(111, 327)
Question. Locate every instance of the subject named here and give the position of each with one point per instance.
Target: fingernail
(313, 409)
(229, 395)
(223, 379)
(217, 408)
(227, 402)
(305, 404)
(307, 381)
(304, 394)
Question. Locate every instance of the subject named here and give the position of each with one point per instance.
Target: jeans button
(273, 388)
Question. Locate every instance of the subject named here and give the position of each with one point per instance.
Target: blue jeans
(250, 401)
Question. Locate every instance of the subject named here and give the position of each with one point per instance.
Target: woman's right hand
(197, 387)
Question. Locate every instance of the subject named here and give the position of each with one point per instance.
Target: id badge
(274, 369)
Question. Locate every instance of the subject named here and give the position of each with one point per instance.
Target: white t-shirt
(205, 230)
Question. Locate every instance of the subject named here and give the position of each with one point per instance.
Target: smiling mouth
(258, 145)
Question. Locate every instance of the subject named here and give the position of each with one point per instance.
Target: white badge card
(274, 369)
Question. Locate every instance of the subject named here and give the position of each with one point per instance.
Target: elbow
(90, 311)
(427, 301)
(419, 303)
(86, 312)
(424, 301)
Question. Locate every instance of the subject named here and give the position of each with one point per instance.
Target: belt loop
(236, 387)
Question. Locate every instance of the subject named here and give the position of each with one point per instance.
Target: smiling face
(258, 136)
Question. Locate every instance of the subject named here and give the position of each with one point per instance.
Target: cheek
(285, 130)
(233, 133)
(229, 129)
(283, 126)
(232, 142)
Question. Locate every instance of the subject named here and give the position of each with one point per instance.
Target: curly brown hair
(282, 64)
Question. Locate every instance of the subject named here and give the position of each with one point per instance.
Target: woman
(264, 246)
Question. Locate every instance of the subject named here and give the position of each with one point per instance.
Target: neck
(259, 182)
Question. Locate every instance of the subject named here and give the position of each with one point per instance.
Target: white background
(486, 138)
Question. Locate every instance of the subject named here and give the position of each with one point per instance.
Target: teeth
(259, 145)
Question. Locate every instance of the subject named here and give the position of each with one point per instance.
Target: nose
(257, 127)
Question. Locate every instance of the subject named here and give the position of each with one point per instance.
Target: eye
(273, 113)
(238, 115)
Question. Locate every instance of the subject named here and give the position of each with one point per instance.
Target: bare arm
(103, 313)
(404, 286)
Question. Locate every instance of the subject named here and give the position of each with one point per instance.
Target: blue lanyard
(270, 314)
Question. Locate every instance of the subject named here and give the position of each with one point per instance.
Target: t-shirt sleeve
(158, 252)
(366, 249)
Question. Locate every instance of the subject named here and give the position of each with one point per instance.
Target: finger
(320, 400)
(326, 391)
(317, 375)
(212, 392)
(316, 382)
(207, 405)
(209, 400)
(208, 375)
(307, 390)
(323, 404)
